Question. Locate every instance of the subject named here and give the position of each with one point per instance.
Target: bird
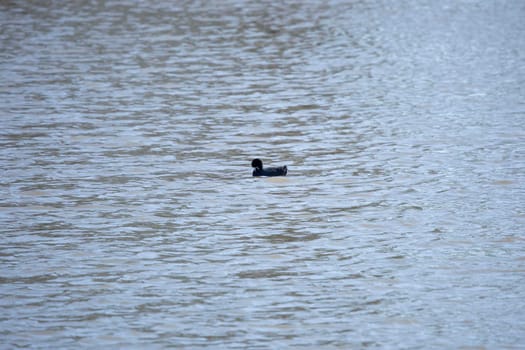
(258, 170)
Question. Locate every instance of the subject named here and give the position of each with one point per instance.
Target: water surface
(129, 217)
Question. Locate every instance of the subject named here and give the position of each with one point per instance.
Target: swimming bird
(260, 171)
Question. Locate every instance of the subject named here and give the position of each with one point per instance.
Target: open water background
(129, 217)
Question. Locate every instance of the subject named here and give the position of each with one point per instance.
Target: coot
(260, 171)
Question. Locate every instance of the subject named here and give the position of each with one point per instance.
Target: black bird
(260, 171)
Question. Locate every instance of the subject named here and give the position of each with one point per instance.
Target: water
(130, 219)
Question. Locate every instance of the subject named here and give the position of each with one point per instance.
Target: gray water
(129, 217)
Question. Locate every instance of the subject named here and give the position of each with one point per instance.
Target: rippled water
(129, 217)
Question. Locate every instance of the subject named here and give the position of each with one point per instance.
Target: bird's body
(260, 171)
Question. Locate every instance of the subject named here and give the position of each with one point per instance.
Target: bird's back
(277, 171)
